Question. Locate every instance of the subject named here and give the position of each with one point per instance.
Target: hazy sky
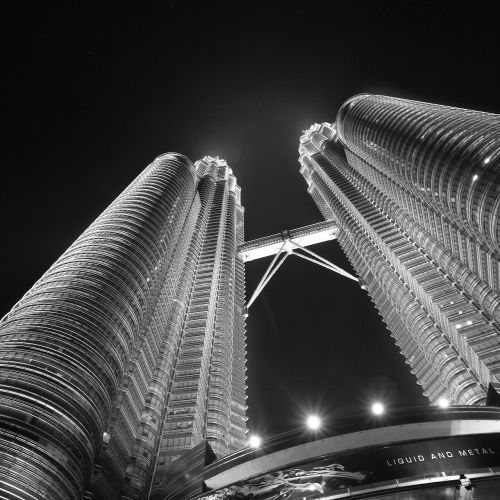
(96, 90)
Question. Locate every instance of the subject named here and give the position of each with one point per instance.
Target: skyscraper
(414, 188)
(130, 349)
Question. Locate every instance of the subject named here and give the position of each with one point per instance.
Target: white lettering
(391, 462)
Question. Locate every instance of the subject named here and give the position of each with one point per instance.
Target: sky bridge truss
(290, 242)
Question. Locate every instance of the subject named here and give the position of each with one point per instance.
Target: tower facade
(130, 349)
(415, 190)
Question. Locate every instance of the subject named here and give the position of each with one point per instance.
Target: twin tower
(130, 349)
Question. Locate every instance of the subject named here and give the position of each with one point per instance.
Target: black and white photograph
(245, 242)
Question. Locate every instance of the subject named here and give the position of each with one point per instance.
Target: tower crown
(312, 139)
(218, 169)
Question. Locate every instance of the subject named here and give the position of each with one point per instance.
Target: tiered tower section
(207, 394)
(414, 190)
(130, 348)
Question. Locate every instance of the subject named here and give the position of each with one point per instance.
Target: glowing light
(475, 177)
(458, 326)
(313, 422)
(255, 441)
(469, 322)
(378, 408)
(443, 403)
(487, 160)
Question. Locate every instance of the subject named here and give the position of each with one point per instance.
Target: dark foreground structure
(414, 454)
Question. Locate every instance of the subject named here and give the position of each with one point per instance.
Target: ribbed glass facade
(131, 348)
(415, 189)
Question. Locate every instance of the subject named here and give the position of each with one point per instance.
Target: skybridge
(291, 242)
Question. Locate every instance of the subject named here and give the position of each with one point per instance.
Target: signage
(454, 455)
(460, 453)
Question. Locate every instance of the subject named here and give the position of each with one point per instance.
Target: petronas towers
(414, 188)
(130, 349)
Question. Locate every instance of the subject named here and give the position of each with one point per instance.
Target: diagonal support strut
(321, 261)
(275, 264)
(291, 247)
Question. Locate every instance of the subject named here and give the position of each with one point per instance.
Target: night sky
(96, 90)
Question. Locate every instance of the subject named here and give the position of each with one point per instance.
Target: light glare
(255, 441)
(313, 422)
(378, 408)
(443, 403)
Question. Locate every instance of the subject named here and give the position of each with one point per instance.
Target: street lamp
(378, 408)
(313, 422)
(254, 441)
(443, 403)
